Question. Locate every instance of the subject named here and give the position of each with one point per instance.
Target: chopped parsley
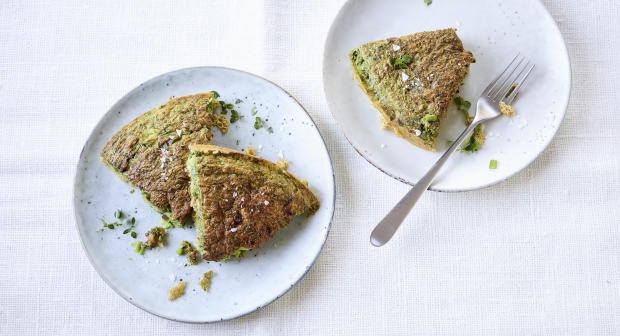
(226, 107)
(477, 138)
(238, 101)
(462, 105)
(234, 116)
(119, 215)
(217, 95)
(270, 129)
(402, 62)
(475, 141)
(428, 2)
(253, 111)
(258, 123)
(106, 225)
(132, 223)
(493, 164)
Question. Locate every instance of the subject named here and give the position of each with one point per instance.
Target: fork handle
(384, 231)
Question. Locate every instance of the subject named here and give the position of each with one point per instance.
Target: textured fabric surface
(536, 255)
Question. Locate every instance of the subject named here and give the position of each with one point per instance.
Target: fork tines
(510, 81)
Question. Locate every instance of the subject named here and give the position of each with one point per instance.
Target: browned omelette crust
(407, 92)
(150, 151)
(240, 200)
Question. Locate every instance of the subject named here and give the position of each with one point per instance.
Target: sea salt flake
(418, 132)
(395, 47)
(404, 76)
(233, 230)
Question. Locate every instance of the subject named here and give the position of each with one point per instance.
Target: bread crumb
(205, 282)
(506, 109)
(177, 291)
(250, 151)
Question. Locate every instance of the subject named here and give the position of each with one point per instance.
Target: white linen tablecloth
(536, 255)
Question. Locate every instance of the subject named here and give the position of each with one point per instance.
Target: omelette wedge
(150, 152)
(412, 80)
(240, 201)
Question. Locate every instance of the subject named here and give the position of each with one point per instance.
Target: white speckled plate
(239, 286)
(494, 31)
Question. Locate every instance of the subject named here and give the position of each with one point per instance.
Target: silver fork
(503, 88)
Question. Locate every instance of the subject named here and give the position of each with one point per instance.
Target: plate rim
(111, 110)
(564, 109)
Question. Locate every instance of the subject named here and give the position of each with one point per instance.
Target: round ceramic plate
(495, 31)
(239, 286)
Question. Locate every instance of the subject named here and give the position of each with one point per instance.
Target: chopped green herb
(493, 164)
(139, 247)
(254, 110)
(402, 62)
(270, 129)
(430, 117)
(428, 2)
(106, 225)
(234, 116)
(238, 101)
(258, 123)
(462, 104)
(134, 234)
(118, 214)
(223, 105)
(126, 231)
(475, 141)
(217, 95)
(132, 191)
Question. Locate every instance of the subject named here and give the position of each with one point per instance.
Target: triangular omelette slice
(150, 152)
(240, 201)
(412, 80)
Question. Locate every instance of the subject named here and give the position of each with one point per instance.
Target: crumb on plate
(177, 291)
